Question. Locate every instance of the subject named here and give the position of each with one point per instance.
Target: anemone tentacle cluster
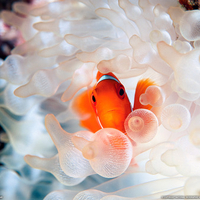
(65, 43)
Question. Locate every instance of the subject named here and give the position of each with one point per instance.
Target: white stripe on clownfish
(107, 77)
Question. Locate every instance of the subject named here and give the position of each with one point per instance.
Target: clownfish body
(110, 102)
(107, 105)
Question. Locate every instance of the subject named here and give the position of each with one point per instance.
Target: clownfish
(106, 105)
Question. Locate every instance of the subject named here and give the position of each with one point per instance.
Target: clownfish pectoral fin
(141, 87)
(82, 107)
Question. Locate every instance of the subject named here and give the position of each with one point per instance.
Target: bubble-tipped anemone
(81, 78)
(64, 44)
(189, 25)
(114, 65)
(71, 160)
(153, 96)
(192, 186)
(141, 125)
(109, 153)
(167, 160)
(52, 165)
(185, 65)
(194, 130)
(175, 117)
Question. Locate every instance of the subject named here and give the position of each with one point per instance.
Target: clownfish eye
(94, 99)
(121, 92)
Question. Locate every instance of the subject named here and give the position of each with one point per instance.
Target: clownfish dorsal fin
(141, 87)
(150, 78)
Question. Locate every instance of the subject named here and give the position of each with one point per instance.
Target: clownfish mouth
(113, 118)
(117, 112)
(113, 110)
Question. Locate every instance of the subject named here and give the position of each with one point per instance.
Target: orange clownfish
(106, 105)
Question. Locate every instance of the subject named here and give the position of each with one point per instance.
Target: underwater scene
(100, 99)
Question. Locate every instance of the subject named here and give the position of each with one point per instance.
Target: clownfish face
(110, 102)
